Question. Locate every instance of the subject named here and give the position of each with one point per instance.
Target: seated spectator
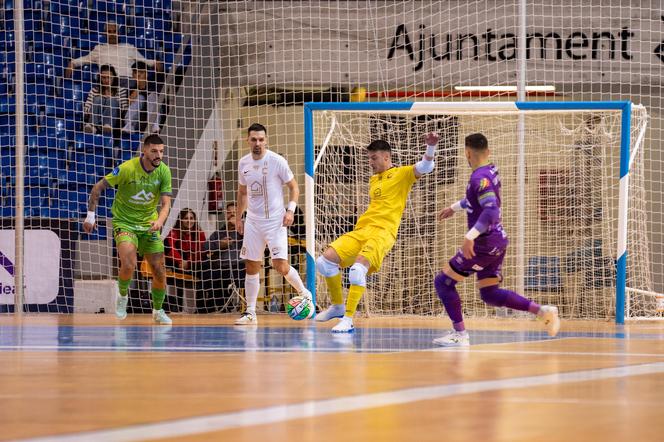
(222, 268)
(119, 55)
(143, 108)
(106, 103)
(183, 253)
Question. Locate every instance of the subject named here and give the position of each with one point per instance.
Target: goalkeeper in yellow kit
(364, 248)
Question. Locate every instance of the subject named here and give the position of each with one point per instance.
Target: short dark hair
(477, 142)
(256, 127)
(152, 139)
(231, 204)
(379, 146)
(139, 66)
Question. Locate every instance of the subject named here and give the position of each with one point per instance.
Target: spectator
(106, 103)
(143, 104)
(119, 55)
(183, 252)
(222, 267)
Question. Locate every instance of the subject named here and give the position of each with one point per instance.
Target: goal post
(583, 213)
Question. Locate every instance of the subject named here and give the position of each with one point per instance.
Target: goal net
(560, 203)
(216, 67)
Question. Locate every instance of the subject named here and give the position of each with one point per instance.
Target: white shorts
(259, 233)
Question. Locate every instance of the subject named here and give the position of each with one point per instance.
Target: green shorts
(145, 242)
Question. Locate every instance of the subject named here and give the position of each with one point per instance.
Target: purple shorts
(488, 260)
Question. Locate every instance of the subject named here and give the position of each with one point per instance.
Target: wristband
(291, 206)
(456, 206)
(90, 218)
(472, 234)
(431, 151)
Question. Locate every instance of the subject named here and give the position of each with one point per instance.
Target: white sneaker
(549, 314)
(160, 317)
(453, 339)
(248, 318)
(121, 306)
(344, 326)
(333, 311)
(307, 294)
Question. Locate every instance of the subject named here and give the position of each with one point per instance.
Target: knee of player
(159, 272)
(326, 267)
(492, 295)
(281, 265)
(442, 281)
(357, 274)
(128, 262)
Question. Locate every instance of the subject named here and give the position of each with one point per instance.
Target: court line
(473, 349)
(315, 408)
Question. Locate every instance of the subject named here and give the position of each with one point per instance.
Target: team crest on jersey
(143, 197)
(484, 184)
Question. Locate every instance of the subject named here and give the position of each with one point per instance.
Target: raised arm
(293, 196)
(93, 201)
(426, 164)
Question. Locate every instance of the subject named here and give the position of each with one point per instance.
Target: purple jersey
(482, 204)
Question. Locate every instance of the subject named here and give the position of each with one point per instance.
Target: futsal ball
(299, 308)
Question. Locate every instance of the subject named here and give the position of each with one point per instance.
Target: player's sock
(334, 288)
(447, 292)
(534, 307)
(294, 280)
(158, 296)
(497, 297)
(354, 295)
(123, 286)
(252, 284)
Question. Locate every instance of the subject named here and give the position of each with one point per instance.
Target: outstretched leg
(328, 266)
(357, 276)
(492, 294)
(292, 276)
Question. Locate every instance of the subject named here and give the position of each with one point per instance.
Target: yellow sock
(334, 287)
(354, 295)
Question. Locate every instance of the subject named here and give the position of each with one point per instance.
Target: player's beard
(155, 163)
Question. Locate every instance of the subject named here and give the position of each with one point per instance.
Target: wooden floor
(93, 378)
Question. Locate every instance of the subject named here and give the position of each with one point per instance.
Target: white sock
(252, 284)
(294, 279)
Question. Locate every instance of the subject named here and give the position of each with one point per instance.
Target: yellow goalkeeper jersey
(388, 192)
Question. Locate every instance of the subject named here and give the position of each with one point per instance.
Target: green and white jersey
(139, 192)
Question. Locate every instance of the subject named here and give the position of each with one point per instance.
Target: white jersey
(265, 179)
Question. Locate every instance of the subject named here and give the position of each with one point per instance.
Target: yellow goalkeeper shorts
(373, 243)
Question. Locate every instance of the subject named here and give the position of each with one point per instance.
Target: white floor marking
(315, 408)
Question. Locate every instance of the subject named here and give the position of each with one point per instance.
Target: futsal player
(483, 249)
(365, 247)
(143, 183)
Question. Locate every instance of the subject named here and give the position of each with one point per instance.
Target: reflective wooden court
(93, 378)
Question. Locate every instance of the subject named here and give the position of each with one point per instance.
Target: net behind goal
(573, 201)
